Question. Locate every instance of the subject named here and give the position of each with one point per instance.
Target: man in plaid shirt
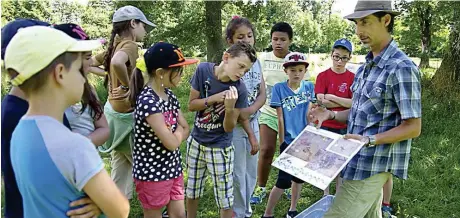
(385, 114)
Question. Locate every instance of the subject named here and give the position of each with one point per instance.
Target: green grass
(434, 172)
(432, 189)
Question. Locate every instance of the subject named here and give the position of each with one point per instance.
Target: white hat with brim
(295, 58)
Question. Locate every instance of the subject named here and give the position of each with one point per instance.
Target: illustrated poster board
(317, 156)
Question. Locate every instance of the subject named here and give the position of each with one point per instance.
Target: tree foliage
(315, 26)
(447, 77)
(422, 30)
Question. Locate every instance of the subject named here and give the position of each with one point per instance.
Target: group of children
(57, 168)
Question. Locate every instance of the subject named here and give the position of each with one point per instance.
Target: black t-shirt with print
(208, 129)
(152, 161)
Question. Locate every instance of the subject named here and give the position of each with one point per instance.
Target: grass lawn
(432, 189)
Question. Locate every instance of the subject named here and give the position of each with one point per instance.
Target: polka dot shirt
(152, 161)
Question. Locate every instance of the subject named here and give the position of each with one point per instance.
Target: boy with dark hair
(273, 73)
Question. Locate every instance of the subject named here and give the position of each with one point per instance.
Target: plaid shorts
(219, 163)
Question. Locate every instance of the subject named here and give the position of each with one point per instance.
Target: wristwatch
(335, 114)
(125, 88)
(371, 141)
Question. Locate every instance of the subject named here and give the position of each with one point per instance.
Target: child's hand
(230, 98)
(179, 133)
(88, 209)
(218, 98)
(254, 145)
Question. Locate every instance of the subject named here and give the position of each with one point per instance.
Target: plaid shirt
(386, 91)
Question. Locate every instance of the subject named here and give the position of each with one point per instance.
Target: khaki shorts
(359, 198)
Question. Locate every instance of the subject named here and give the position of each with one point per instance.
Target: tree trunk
(214, 43)
(448, 74)
(425, 27)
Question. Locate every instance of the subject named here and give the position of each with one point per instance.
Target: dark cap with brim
(165, 55)
(366, 8)
(10, 29)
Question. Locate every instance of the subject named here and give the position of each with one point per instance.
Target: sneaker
(292, 214)
(258, 195)
(386, 212)
(165, 214)
(288, 193)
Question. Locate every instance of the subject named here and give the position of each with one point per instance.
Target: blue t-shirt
(13, 108)
(294, 106)
(208, 129)
(51, 165)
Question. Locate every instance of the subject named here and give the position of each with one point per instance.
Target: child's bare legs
(228, 213)
(326, 191)
(152, 213)
(284, 181)
(296, 188)
(267, 151)
(192, 207)
(338, 182)
(387, 191)
(176, 209)
(273, 199)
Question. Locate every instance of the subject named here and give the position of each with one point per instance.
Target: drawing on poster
(307, 145)
(326, 163)
(317, 156)
(344, 147)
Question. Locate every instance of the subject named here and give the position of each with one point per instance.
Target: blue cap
(10, 29)
(344, 43)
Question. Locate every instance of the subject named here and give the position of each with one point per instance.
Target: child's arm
(231, 113)
(197, 104)
(251, 136)
(260, 101)
(98, 59)
(169, 139)
(321, 89)
(85, 208)
(342, 102)
(97, 71)
(279, 112)
(310, 106)
(326, 102)
(183, 122)
(101, 131)
(103, 191)
(101, 127)
(118, 66)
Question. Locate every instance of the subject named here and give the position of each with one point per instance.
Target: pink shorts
(155, 195)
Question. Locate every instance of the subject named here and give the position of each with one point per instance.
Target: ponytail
(136, 83)
(117, 29)
(108, 56)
